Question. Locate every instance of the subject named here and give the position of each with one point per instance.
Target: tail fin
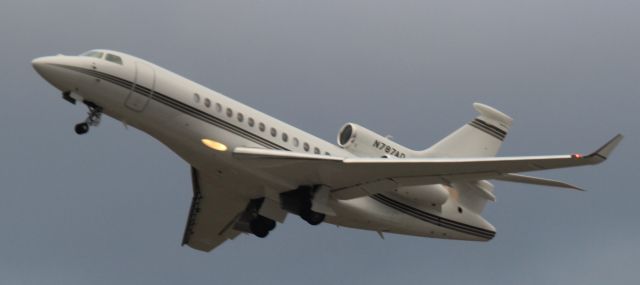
(481, 137)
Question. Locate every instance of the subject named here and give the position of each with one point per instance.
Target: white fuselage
(180, 113)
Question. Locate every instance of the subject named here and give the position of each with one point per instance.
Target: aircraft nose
(46, 67)
(38, 64)
(42, 65)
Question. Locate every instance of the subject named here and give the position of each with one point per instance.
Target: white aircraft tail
(481, 137)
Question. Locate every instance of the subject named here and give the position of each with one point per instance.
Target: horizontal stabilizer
(518, 178)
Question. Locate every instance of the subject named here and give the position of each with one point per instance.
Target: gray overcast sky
(110, 207)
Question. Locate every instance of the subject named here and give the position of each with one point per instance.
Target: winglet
(604, 151)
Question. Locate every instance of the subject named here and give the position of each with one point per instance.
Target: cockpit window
(93, 53)
(114, 58)
(101, 55)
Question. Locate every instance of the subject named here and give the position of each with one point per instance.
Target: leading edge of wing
(261, 153)
(595, 157)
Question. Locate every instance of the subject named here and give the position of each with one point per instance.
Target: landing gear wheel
(313, 218)
(270, 224)
(82, 128)
(93, 118)
(259, 231)
(261, 226)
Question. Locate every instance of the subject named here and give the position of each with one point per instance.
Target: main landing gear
(93, 119)
(250, 221)
(261, 226)
(299, 201)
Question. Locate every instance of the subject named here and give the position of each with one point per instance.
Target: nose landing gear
(81, 128)
(93, 119)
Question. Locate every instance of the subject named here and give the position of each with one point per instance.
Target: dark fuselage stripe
(433, 219)
(179, 106)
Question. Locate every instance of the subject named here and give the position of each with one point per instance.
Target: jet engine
(366, 143)
(363, 142)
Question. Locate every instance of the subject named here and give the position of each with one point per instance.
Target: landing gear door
(145, 83)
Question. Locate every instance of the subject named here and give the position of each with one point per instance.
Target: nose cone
(43, 65)
(38, 62)
(49, 69)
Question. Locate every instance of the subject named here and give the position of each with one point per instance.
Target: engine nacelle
(366, 143)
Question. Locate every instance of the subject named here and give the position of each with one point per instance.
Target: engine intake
(366, 143)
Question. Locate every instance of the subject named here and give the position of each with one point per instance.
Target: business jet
(250, 170)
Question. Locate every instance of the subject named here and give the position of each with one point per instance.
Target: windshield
(114, 58)
(103, 55)
(93, 53)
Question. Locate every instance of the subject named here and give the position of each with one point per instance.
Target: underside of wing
(357, 177)
(212, 214)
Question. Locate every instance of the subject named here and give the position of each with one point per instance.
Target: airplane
(250, 171)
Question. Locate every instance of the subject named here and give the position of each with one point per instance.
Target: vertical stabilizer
(481, 137)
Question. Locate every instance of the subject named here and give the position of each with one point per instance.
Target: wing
(212, 215)
(357, 177)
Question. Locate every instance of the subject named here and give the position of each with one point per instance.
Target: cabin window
(207, 102)
(261, 127)
(296, 142)
(251, 122)
(196, 97)
(274, 133)
(229, 112)
(327, 153)
(305, 146)
(218, 107)
(114, 58)
(316, 150)
(285, 137)
(240, 117)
